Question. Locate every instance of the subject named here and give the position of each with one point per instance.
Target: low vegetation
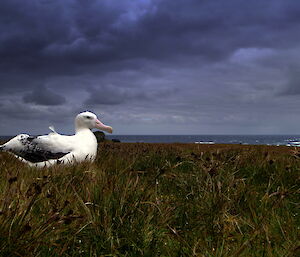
(155, 200)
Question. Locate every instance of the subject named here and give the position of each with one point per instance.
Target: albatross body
(54, 148)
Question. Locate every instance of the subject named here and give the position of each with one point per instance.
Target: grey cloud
(107, 95)
(168, 61)
(77, 34)
(292, 87)
(43, 96)
(113, 95)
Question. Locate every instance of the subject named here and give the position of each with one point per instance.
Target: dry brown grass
(155, 200)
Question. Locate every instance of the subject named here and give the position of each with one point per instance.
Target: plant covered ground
(155, 200)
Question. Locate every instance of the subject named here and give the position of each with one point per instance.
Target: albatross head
(89, 120)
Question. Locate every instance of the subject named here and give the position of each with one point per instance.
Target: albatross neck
(80, 130)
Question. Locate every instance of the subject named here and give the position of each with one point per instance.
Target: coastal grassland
(155, 200)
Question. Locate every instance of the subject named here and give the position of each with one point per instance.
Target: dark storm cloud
(113, 95)
(57, 37)
(160, 60)
(43, 96)
(106, 95)
(292, 87)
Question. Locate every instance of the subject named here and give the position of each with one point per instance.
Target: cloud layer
(151, 66)
(43, 96)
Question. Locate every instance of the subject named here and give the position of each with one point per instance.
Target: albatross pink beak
(99, 125)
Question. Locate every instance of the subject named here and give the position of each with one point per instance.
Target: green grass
(155, 200)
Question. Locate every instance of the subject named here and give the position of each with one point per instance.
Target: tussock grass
(155, 200)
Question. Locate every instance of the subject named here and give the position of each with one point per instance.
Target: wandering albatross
(54, 148)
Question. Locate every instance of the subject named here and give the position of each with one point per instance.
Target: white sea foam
(205, 143)
(295, 143)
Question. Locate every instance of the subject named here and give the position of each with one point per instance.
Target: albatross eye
(88, 117)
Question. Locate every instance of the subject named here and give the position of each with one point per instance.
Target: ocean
(289, 140)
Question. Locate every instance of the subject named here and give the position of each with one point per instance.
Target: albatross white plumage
(54, 148)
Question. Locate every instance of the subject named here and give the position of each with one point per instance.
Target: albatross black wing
(32, 150)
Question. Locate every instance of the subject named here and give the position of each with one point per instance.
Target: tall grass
(154, 200)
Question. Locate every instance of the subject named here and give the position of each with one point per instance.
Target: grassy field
(155, 200)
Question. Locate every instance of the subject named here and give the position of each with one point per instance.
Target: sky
(151, 66)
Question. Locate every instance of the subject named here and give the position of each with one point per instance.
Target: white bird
(54, 148)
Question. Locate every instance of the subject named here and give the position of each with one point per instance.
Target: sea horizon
(250, 139)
